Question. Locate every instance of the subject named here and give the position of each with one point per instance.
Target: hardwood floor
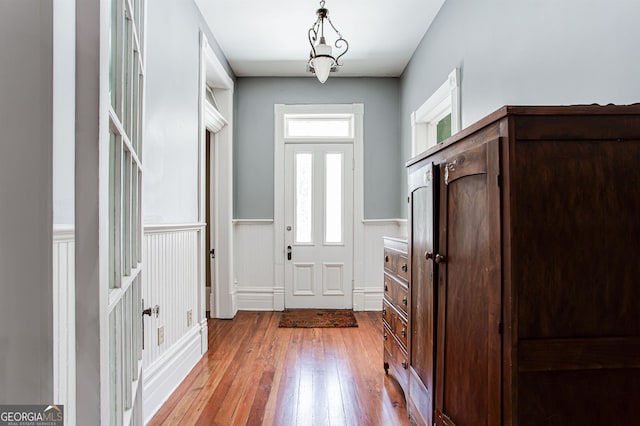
(258, 374)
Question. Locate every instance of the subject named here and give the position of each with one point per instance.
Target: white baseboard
(255, 299)
(367, 299)
(163, 377)
(373, 299)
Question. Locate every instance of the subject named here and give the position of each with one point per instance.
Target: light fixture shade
(323, 62)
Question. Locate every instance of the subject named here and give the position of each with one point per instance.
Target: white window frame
(280, 111)
(424, 121)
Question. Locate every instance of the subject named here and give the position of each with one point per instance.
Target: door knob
(428, 255)
(151, 311)
(440, 259)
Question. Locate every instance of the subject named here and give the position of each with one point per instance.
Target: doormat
(317, 318)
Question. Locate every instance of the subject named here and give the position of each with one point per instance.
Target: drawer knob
(428, 255)
(386, 258)
(385, 287)
(404, 301)
(404, 332)
(404, 267)
(405, 364)
(384, 311)
(385, 336)
(440, 259)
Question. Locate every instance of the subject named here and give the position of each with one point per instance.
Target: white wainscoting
(64, 321)
(254, 265)
(173, 279)
(368, 295)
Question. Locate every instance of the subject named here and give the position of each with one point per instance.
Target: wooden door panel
(423, 212)
(579, 246)
(468, 340)
(465, 309)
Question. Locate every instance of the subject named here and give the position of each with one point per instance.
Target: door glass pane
(333, 198)
(303, 200)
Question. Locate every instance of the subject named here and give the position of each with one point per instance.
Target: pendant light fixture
(321, 59)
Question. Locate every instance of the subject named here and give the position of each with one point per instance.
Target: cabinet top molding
(521, 110)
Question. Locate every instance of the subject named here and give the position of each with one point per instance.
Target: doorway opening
(318, 204)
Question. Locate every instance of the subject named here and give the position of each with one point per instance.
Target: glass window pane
(318, 127)
(127, 56)
(115, 365)
(113, 61)
(333, 201)
(126, 214)
(304, 200)
(127, 351)
(444, 128)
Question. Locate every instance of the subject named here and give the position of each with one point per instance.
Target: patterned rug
(317, 318)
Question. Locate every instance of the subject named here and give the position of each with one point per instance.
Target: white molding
(214, 121)
(280, 110)
(252, 221)
(368, 299)
(165, 375)
(204, 336)
(173, 227)
(213, 74)
(64, 322)
(256, 298)
(384, 221)
(424, 120)
(63, 233)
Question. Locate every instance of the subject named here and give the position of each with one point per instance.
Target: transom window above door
(318, 126)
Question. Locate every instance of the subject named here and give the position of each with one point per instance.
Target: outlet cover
(160, 335)
(189, 318)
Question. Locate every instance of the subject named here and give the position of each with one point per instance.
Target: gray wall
(254, 133)
(170, 152)
(64, 89)
(526, 52)
(26, 201)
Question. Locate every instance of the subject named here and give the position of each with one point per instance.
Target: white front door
(318, 232)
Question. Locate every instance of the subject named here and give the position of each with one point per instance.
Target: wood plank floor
(258, 374)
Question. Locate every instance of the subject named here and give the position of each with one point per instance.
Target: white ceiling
(270, 38)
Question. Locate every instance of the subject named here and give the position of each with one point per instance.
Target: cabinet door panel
(468, 312)
(423, 215)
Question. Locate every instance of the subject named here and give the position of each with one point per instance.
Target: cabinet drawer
(389, 289)
(401, 299)
(386, 312)
(395, 323)
(396, 293)
(390, 260)
(397, 360)
(400, 329)
(402, 266)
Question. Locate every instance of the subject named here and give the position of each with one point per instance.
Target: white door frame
(223, 297)
(358, 193)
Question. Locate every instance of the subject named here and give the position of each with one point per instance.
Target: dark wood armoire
(524, 248)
